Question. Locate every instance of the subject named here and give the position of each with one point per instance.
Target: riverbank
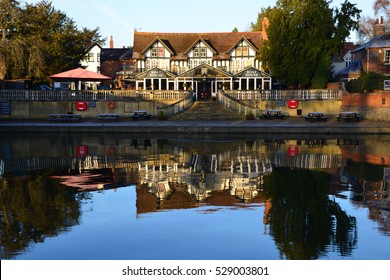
(293, 125)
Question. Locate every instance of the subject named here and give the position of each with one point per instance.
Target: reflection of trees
(32, 210)
(303, 221)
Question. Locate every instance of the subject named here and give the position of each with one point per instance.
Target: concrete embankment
(288, 126)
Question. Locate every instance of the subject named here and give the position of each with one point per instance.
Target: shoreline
(287, 126)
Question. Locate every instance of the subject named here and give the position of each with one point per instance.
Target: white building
(202, 62)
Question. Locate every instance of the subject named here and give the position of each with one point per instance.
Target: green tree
(42, 41)
(9, 14)
(303, 36)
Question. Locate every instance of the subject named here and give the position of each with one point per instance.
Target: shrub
(161, 116)
(367, 82)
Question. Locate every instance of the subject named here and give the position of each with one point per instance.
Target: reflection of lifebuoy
(111, 105)
(111, 151)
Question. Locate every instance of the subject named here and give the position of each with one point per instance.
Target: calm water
(185, 197)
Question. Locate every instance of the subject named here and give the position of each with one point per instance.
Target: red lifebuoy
(111, 105)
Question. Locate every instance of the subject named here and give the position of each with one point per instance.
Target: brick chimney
(379, 27)
(111, 42)
(264, 26)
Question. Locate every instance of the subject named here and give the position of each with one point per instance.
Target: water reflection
(45, 180)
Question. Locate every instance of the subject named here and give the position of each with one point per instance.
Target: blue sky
(119, 18)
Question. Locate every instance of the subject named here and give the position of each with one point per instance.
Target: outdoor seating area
(69, 117)
(274, 114)
(108, 117)
(141, 115)
(316, 116)
(348, 116)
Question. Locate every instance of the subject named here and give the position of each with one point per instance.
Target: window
(387, 56)
(90, 57)
(157, 52)
(242, 51)
(200, 52)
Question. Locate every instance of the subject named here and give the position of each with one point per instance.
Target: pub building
(203, 63)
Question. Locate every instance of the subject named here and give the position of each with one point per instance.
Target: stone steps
(208, 110)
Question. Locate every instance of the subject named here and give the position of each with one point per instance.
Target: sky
(119, 18)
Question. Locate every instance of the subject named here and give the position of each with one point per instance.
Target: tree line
(303, 37)
(36, 41)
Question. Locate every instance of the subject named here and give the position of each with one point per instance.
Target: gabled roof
(381, 41)
(180, 43)
(200, 39)
(92, 46)
(154, 73)
(252, 72)
(347, 48)
(205, 70)
(354, 69)
(243, 39)
(157, 39)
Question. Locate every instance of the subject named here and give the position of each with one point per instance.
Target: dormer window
(157, 52)
(242, 51)
(200, 52)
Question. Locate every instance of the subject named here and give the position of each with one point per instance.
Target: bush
(161, 116)
(367, 82)
(249, 116)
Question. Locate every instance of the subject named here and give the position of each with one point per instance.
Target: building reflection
(291, 179)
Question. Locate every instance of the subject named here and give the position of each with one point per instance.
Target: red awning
(80, 74)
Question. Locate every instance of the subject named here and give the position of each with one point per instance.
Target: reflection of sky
(370, 239)
(112, 230)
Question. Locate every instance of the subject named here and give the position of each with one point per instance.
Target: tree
(366, 26)
(43, 41)
(303, 36)
(9, 12)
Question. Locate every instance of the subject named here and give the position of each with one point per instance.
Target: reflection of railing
(241, 165)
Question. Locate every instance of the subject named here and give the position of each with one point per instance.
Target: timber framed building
(201, 62)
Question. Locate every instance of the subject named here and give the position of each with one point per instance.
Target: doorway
(204, 88)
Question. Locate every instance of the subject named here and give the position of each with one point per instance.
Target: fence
(90, 95)
(176, 107)
(236, 105)
(313, 94)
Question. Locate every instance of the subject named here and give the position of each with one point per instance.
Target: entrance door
(204, 88)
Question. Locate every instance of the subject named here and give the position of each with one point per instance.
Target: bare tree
(367, 24)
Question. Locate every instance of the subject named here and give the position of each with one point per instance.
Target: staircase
(207, 110)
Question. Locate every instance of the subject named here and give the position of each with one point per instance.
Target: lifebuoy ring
(111, 105)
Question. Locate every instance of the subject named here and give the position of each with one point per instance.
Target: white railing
(90, 95)
(236, 105)
(176, 107)
(312, 94)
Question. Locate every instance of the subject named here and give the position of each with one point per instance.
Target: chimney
(264, 26)
(379, 27)
(111, 42)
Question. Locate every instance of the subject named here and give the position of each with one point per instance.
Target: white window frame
(386, 56)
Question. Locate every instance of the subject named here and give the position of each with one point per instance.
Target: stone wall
(329, 107)
(372, 106)
(42, 109)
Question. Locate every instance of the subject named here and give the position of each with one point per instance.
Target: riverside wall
(32, 110)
